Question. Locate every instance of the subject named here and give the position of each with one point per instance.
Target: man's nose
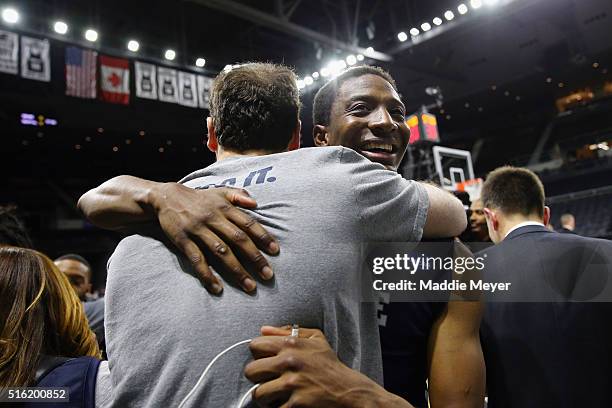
(382, 121)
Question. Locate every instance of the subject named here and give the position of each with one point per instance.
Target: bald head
(78, 272)
(568, 221)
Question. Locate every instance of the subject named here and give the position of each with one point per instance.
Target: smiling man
(362, 110)
(478, 222)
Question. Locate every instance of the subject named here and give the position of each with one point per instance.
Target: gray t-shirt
(163, 328)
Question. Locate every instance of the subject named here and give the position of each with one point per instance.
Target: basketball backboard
(453, 166)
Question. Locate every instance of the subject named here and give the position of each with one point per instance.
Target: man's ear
(320, 135)
(212, 143)
(491, 217)
(294, 143)
(546, 219)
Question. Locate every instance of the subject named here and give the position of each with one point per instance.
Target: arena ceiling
(496, 66)
(493, 45)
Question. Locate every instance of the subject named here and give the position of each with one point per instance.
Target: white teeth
(378, 145)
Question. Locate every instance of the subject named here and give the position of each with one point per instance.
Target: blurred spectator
(568, 224)
(12, 230)
(478, 222)
(78, 271)
(44, 337)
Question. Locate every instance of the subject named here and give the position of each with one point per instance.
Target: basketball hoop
(472, 186)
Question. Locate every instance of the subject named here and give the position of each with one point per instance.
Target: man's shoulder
(535, 241)
(305, 158)
(135, 246)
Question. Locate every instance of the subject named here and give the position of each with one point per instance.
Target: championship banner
(204, 86)
(146, 80)
(35, 59)
(167, 83)
(114, 80)
(188, 89)
(9, 52)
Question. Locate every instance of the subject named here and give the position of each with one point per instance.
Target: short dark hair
(75, 257)
(324, 99)
(255, 106)
(12, 230)
(514, 190)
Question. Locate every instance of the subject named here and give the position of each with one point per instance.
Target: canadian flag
(114, 80)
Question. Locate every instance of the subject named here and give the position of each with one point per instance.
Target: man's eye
(360, 107)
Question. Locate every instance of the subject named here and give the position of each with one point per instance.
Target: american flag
(81, 72)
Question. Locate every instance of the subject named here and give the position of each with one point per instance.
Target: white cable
(193, 390)
(246, 395)
(294, 333)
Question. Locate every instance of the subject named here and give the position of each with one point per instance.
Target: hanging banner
(188, 89)
(81, 72)
(9, 52)
(114, 80)
(35, 59)
(167, 84)
(204, 87)
(146, 80)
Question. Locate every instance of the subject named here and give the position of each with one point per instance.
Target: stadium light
(91, 35)
(449, 15)
(462, 9)
(425, 26)
(351, 60)
(133, 45)
(360, 57)
(170, 55)
(437, 21)
(369, 50)
(414, 31)
(300, 84)
(10, 15)
(200, 62)
(315, 75)
(308, 80)
(402, 36)
(60, 27)
(325, 72)
(476, 4)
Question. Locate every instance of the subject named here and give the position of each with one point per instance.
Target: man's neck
(223, 154)
(512, 221)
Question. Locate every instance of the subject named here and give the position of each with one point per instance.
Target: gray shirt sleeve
(94, 311)
(390, 207)
(104, 389)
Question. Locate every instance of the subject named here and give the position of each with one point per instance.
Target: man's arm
(306, 372)
(192, 219)
(446, 216)
(456, 363)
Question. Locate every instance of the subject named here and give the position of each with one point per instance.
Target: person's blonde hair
(39, 314)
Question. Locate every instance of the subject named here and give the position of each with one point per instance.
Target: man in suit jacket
(547, 341)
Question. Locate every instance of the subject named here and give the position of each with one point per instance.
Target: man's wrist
(151, 195)
(369, 394)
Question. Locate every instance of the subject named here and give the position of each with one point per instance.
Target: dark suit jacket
(556, 352)
(564, 230)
